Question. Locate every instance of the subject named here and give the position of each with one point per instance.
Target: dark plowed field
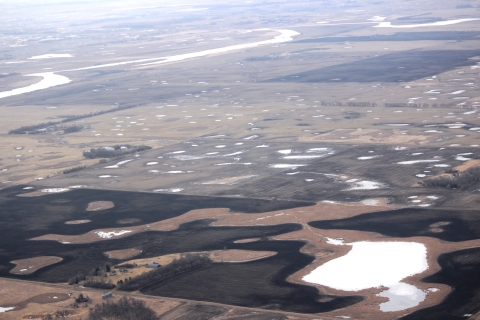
(401, 36)
(460, 271)
(409, 222)
(259, 284)
(402, 66)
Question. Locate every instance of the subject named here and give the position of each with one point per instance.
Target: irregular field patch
(100, 205)
(30, 265)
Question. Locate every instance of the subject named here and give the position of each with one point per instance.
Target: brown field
(78, 221)
(30, 265)
(123, 253)
(100, 205)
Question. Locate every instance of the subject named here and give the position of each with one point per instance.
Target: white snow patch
(174, 190)
(110, 234)
(118, 164)
(462, 158)
(54, 190)
(401, 296)
(372, 265)
(52, 55)
(286, 166)
(431, 24)
(6, 309)
(417, 161)
(336, 242)
(365, 185)
(441, 165)
(369, 157)
(49, 80)
(303, 157)
(371, 202)
(151, 163)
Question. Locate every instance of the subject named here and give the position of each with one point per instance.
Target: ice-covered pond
(375, 265)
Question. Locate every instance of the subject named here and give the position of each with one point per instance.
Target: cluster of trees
(406, 105)
(71, 129)
(98, 282)
(95, 276)
(115, 151)
(125, 309)
(41, 127)
(426, 105)
(348, 104)
(187, 263)
(34, 128)
(61, 314)
(74, 169)
(456, 180)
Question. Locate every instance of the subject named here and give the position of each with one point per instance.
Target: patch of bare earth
(43, 192)
(115, 233)
(78, 221)
(468, 164)
(232, 256)
(100, 205)
(229, 181)
(123, 253)
(30, 265)
(247, 240)
(369, 308)
(239, 255)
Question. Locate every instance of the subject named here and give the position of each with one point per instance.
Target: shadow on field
(402, 66)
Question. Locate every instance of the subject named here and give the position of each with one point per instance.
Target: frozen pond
(374, 265)
(417, 161)
(431, 24)
(401, 296)
(285, 36)
(51, 55)
(50, 79)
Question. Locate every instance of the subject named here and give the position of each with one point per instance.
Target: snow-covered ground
(50, 79)
(375, 265)
(431, 24)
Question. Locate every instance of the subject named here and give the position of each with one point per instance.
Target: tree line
(348, 104)
(456, 180)
(186, 263)
(42, 127)
(427, 105)
(125, 309)
(115, 151)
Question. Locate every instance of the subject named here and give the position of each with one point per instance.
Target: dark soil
(409, 222)
(259, 284)
(401, 36)
(402, 66)
(460, 271)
